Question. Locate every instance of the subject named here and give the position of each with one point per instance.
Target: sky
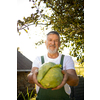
(23, 8)
(26, 42)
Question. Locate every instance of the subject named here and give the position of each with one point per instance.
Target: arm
(30, 75)
(70, 77)
(32, 78)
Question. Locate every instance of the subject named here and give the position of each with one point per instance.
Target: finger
(41, 86)
(36, 82)
(58, 87)
(63, 71)
(63, 81)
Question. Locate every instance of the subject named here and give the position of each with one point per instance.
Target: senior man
(70, 78)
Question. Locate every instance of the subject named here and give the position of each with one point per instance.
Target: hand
(64, 72)
(35, 79)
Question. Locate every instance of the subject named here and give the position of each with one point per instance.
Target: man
(70, 77)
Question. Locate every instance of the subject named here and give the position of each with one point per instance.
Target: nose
(53, 42)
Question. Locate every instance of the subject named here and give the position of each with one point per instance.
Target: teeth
(52, 46)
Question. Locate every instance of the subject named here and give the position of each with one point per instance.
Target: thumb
(63, 71)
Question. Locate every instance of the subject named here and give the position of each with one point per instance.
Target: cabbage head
(49, 75)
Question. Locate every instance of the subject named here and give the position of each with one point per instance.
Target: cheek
(57, 44)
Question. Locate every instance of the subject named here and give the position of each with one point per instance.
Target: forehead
(52, 36)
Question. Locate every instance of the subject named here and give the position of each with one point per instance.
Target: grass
(29, 96)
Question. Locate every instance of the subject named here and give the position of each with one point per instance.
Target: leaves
(67, 19)
(69, 23)
(25, 30)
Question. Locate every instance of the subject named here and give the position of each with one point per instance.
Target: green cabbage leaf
(49, 75)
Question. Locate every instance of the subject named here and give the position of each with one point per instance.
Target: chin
(52, 51)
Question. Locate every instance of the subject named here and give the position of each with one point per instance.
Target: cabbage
(49, 75)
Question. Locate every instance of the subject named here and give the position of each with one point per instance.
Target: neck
(55, 55)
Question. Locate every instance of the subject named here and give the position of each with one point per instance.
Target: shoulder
(37, 58)
(37, 62)
(67, 57)
(68, 62)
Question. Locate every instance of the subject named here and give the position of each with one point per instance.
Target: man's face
(52, 43)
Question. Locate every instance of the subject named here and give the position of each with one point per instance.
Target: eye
(56, 40)
(50, 39)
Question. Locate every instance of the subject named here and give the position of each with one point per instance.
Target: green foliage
(29, 96)
(22, 95)
(80, 69)
(67, 19)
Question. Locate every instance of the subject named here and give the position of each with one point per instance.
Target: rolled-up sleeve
(36, 62)
(68, 63)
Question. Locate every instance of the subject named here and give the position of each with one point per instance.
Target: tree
(67, 19)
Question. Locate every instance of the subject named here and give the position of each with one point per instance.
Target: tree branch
(32, 24)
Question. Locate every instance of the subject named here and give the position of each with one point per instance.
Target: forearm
(72, 80)
(30, 75)
(30, 78)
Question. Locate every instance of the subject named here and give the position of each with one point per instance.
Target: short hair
(54, 32)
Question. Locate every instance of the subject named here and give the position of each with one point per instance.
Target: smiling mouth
(52, 46)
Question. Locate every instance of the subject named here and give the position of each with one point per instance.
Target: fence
(77, 92)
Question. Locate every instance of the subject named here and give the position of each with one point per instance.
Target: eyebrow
(51, 39)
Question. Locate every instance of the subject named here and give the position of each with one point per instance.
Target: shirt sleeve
(36, 62)
(69, 63)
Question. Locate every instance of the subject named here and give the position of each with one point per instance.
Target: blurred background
(35, 18)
